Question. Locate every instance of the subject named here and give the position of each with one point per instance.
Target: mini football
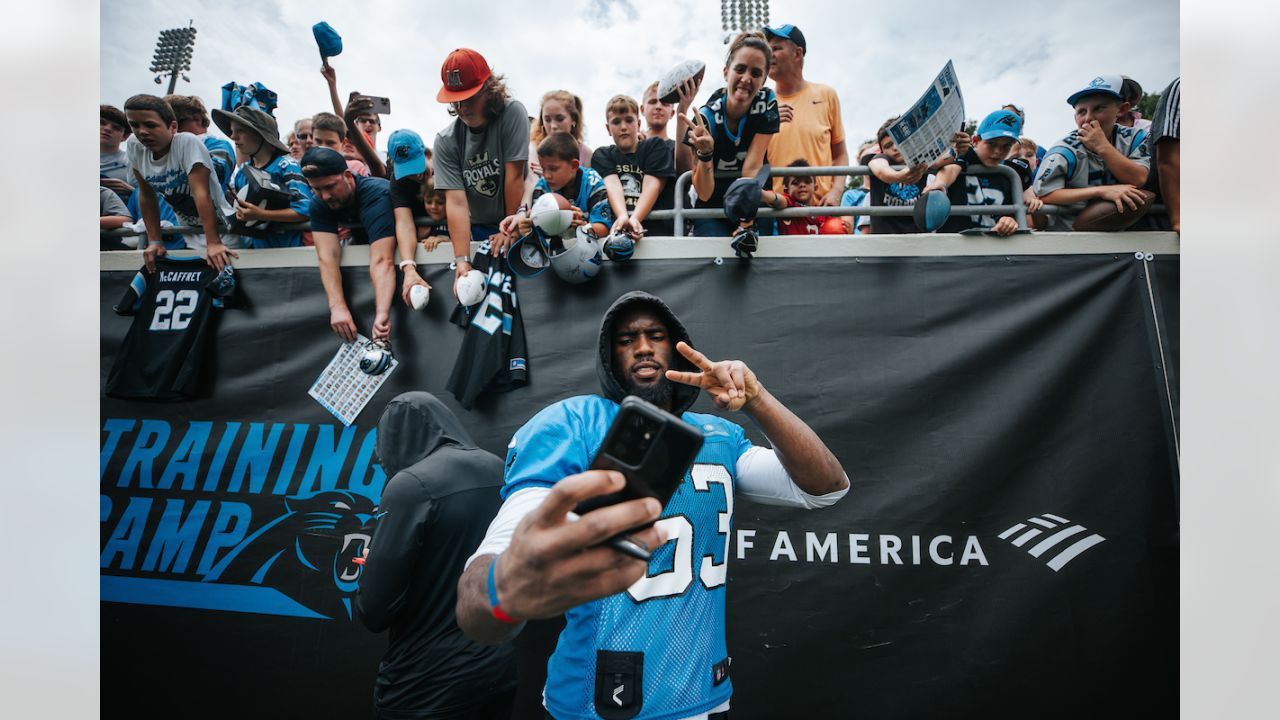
(931, 210)
(552, 213)
(419, 295)
(669, 84)
(833, 226)
(470, 288)
(1102, 215)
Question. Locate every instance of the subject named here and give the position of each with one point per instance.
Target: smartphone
(653, 450)
(381, 105)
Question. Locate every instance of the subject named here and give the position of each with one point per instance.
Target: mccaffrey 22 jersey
(161, 356)
(656, 650)
(493, 357)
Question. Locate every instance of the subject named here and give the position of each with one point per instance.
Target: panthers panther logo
(903, 192)
(307, 552)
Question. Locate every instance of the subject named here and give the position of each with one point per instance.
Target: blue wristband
(494, 608)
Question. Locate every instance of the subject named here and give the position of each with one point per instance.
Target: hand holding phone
(653, 450)
(380, 105)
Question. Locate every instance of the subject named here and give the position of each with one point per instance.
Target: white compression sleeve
(514, 508)
(762, 478)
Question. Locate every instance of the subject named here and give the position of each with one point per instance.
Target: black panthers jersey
(493, 357)
(732, 143)
(161, 356)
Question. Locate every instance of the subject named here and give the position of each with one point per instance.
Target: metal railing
(422, 221)
(679, 213)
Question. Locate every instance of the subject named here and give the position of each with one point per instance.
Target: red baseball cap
(463, 74)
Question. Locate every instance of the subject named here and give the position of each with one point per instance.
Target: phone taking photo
(653, 450)
(381, 105)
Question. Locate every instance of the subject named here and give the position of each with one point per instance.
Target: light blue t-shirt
(853, 197)
(675, 614)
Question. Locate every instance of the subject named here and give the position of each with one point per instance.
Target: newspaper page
(343, 388)
(924, 132)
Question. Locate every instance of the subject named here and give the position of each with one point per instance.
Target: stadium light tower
(173, 54)
(739, 15)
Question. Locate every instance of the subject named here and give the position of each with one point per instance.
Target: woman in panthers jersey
(733, 128)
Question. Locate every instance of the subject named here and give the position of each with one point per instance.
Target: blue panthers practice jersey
(286, 172)
(590, 195)
(675, 614)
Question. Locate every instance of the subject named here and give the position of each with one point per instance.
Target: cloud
(878, 62)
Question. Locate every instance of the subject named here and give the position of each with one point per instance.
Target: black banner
(1009, 543)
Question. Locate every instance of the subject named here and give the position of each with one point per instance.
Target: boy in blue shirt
(257, 137)
(562, 173)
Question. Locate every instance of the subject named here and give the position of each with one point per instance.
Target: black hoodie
(435, 509)
(683, 396)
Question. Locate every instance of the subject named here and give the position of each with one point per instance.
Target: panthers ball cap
(1101, 85)
(1001, 123)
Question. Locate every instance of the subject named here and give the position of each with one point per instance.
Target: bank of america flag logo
(1053, 533)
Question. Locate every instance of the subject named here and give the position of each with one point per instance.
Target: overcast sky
(878, 61)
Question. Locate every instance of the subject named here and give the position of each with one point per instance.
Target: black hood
(683, 396)
(414, 425)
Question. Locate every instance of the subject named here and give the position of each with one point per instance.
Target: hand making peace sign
(730, 383)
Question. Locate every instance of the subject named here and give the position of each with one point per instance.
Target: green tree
(856, 181)
(1147, 105)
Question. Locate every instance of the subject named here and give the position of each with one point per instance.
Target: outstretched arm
(216, 254)
(732, 386)
(329, 257)
(331, 79)
(553, 563)
(357, 106)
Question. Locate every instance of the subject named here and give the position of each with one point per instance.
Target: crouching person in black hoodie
(441, 495)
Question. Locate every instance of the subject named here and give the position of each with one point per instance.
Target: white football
(669, 84)
(552, 214)
(470, 288)
(419, 295)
